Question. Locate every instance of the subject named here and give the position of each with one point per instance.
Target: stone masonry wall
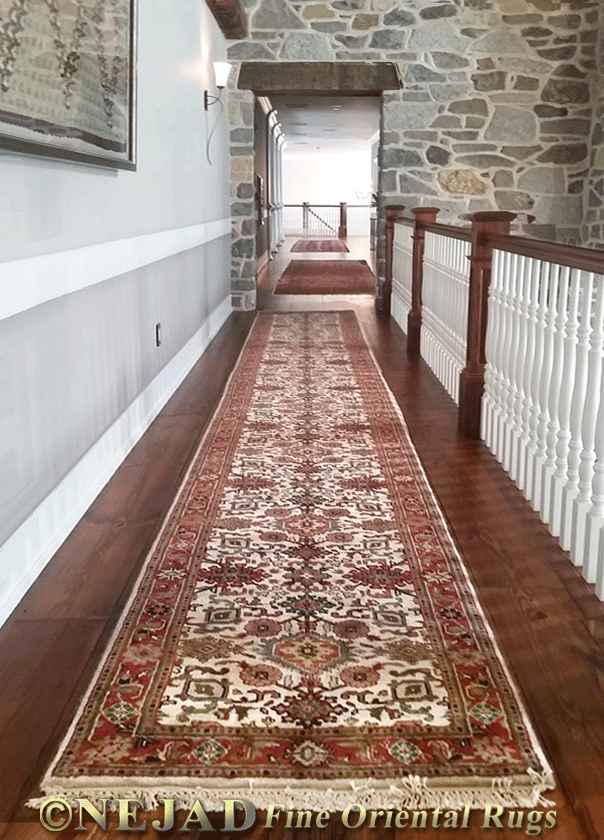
(495, 111)
(593, 233)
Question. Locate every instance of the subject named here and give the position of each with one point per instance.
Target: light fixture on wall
(221, 75)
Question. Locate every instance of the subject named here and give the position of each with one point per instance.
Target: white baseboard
(28, 550)
(30, 281)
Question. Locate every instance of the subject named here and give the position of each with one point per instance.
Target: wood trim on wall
(328, 77)
(30, 281)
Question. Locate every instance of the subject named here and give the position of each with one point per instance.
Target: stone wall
(495, 111)
(593, 232)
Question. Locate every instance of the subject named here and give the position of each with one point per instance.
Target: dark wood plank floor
(548, 621)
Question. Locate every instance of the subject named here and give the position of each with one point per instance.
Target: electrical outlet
(157, 335)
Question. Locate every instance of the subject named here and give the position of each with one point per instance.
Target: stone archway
(270, 78)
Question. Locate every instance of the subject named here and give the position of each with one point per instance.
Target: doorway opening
(316, 233)
(257, 175)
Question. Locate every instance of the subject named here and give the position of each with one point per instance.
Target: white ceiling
(327, 121)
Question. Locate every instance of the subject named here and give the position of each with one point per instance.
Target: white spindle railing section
(324, 220)
(358, 219)
(402, 273)
(445, 289)
(543, 406)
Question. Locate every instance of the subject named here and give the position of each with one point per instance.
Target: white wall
(80, 375)
(51, 206)
(326, 176)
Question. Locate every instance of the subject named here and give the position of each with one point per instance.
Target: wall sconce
(221, 75)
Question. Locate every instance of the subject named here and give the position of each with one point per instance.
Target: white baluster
(445, 299)
(535, 381)
(567, 380)
(558, 327)
(490, 375)
(583, 501)
(511, 363)
(551, 291)
(595, 517)
(519, 363)
(571, 488)
(532, 294)
(505, 383)
(499, 340)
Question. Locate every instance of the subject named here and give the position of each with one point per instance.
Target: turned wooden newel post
(393, 212)
(471, 380)
(423, 216)
(343, 231)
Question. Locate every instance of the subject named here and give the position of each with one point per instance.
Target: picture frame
(68, 80)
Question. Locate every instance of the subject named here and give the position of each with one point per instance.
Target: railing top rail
(312, 204)
(454, 231)
(585, 259)
(449, 230)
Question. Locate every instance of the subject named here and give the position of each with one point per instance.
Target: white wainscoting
(29, 549)
(398, 309)
(402, 273)
(33, 280)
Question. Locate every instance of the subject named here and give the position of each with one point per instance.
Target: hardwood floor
(547, 619)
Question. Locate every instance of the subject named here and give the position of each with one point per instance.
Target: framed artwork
(67, 80)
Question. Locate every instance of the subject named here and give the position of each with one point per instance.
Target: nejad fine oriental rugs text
(58, 815)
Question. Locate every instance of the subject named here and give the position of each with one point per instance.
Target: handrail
(449, 230)
(529, 360)
(312, 204)
(452, 231)
(585, 259)
(574, 256)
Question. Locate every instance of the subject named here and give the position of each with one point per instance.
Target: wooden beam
(230, 17)
(342, 77)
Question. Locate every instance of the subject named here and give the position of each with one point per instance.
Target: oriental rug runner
(303, 630)
(319, 245)
(326, 277)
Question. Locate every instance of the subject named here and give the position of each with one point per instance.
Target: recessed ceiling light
(336, 107)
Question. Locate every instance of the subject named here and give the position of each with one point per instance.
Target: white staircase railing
(402, 271)
(445, 308)
(543, 407)
(514, 330)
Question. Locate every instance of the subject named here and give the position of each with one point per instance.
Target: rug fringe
(411, 793)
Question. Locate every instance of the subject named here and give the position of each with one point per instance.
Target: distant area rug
(303, 630)
(326, 277)
(314, 245)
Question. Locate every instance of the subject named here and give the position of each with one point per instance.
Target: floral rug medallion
(303, 626)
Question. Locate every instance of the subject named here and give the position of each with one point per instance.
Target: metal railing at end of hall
(333, 220)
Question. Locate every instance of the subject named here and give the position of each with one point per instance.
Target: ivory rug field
(319, 245)
(326, 277)
(303, 630)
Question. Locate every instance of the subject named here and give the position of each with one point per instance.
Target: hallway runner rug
(303, 630)
(314, 245)
(326, 277)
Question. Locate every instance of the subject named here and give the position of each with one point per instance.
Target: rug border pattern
(523, 790)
